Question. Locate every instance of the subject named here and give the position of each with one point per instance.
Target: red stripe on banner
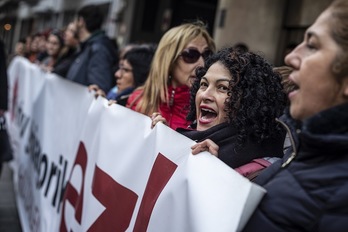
(161, 172)
(118, 200)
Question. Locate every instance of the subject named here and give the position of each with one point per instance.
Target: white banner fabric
(81, 165)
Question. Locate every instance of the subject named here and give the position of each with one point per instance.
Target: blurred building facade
(266, 26)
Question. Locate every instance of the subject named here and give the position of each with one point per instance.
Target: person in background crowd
(28, 40)
(97, 55)
(42, 46)
(33, 51)
(166, 91)
(19, 50)
(55, 44)
(5, 147)
(132, 72)
(113, 91)
(68, 55)
(308, 189)
(234, 103)
(242, 47)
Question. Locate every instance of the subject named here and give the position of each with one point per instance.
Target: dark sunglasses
(191, 55)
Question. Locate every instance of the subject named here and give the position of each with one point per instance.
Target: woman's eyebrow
(223, 79)
(310, 34)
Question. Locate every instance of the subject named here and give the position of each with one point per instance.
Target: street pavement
(9, 220)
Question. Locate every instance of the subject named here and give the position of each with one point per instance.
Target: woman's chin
(295, 113)
(201, 126)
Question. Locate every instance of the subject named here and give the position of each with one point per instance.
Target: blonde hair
(155, 89)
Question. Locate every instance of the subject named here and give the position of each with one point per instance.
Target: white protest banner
(117, 173)
(45, 120)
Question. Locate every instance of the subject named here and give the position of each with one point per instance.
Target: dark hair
(92, 16)
(140, 57)
(22, 40)
(339, 32)
(242, 47)
(255, 97)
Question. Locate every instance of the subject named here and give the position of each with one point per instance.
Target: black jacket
(308, 190)
(121, 97)
(225, 136)
(3, 78)
(61, 67)
(94, 63)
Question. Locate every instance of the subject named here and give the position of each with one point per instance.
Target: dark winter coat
(308, 190)
(3, 78)
(225, 136)
(94, 63)
(61, 67)
(121, 97)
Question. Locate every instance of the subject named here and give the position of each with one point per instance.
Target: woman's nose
(293, 58)
(207, 94)
(117, 74)
(200, 62)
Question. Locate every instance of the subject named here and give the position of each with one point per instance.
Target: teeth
(208, 110)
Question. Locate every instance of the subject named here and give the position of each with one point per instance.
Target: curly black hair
(256, 95)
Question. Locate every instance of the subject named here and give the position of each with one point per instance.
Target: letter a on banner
(74, 197)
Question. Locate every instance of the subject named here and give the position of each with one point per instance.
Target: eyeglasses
(191, 55)
(123, 69)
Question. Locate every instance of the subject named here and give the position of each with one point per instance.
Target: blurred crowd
(285, 128)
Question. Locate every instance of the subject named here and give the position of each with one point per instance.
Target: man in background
(97, 56)
(5, 147)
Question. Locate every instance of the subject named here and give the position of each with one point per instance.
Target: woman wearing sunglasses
(234, 102)
(166, 91)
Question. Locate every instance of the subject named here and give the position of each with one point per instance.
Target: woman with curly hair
(234, 103)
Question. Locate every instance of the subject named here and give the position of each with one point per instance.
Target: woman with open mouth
(235, 100)
(308, 189)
